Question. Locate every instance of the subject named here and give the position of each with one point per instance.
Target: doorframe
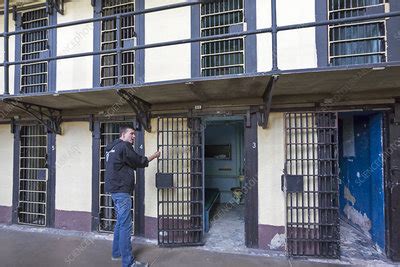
(139, 186)
(250, 151)
(392, 216)
(51, 178)
(250, 145)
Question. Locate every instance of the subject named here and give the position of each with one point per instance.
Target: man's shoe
(139, 264)
(116, 258)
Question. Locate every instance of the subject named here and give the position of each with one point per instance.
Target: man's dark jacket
(121, 161)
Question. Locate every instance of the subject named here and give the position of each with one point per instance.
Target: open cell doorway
(361, 184)
(224, 222)
(334, 180)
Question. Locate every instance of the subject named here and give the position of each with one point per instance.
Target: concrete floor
(227, 231)
(355, 244)
(31, 246)
(227, 234)
(25, 246)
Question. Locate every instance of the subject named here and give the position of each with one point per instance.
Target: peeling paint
(357, 218)
(349, 196)
(278, 241)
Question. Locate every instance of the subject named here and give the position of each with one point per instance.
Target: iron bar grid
(312, 215)
(109, 131)
(180, 208)
(34, 45)
(116, 33)
(357, 42)
(33, 175)
(221, 57)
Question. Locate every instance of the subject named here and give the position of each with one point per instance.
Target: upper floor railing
(341, 21)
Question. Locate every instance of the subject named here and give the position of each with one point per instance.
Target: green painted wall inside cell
(223, 173)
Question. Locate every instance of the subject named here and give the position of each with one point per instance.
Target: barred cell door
(312, 188)
(34, 45)
(33, 176)
(180, 181)
(109, 131)
(109, 35)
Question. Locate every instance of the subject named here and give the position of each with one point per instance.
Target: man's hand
(154, 156)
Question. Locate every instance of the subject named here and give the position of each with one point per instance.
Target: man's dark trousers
(122, 246)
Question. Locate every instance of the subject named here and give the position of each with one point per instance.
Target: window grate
(109, 131)
(356, 43)
(34, 45)
(109, 65)
(221, 57)
(32, 203)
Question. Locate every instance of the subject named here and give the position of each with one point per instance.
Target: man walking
(121, 162)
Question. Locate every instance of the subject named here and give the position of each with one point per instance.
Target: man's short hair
(124, 128)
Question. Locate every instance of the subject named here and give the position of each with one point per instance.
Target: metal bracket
(12, 122)
(49, 117)
(248, 119)
(58, 5)
(14, 12)
(396, 117)
(91, 123)
(267, 100)
(140, 107)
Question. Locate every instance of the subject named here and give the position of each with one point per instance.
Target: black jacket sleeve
(133, 159)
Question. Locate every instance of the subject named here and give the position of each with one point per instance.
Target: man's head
(127, 133)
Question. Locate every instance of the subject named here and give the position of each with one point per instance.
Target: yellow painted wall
(150, 199)
(11, 54)
(296, 48)
(171, 62)
(264, 41)
(75, 73)
(74, 167)
(6, 165)
(271, 159)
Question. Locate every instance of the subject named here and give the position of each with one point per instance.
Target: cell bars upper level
(34, 45)
(109, 131)
(33, 175)
(356, 43)
(109, 62)
(220, 57)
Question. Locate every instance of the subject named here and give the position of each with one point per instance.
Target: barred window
(221, 57)
(109, 62)
(355, 43)
(34, 45)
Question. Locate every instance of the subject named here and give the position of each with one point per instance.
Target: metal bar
(179, 208)
(32, 194)
(217, 18)
(338, 21)
(119, 53)
(274, 36)
(6, 48)
(85, 21)
(312, 223)
(264, 30)
(214, 37)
